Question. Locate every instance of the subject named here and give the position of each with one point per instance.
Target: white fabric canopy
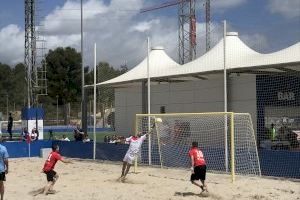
(238, 56)
(159, 63)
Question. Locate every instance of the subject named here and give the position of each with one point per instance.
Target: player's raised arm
(66, 161)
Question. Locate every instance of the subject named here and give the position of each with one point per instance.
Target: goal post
(227, 140)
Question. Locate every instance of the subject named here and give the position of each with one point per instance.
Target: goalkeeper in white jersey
(135, 143)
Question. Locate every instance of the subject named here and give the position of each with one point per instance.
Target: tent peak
(232, 34)
(158, 48)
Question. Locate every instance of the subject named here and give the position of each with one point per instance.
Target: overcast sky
(120, 31)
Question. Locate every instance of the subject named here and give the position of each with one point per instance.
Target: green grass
(99, 135)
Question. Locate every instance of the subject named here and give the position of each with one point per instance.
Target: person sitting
(65, 138)
(78, 134)
(86, 138)
(34, 134)
(106, 139)
(51, 137)
(24, 134)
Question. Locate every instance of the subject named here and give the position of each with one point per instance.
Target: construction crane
(187, 26)
(207, 24)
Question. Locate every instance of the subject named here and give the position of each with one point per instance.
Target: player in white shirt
(135, 143)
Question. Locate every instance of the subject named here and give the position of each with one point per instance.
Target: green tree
(19, 86)
(5, 87)
(105, 96)
(64, 76)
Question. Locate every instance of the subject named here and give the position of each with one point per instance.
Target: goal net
(226, 139)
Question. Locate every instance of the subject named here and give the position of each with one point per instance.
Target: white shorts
(128, 158)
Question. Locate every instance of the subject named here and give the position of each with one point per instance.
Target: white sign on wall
(32, 124)
(286, 96)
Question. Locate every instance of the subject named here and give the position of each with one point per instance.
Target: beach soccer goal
(227, 140)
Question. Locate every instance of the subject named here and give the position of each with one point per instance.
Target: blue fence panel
(75, 149)
(112, 152)
(280, 163)
(104, 151)
(20, 149)
(16, 149)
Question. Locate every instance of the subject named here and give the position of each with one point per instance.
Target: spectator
(106, 139)
(78, 134)
(25, 134)
(10, 126)
(272, 132)
(65, 138)
(3, 168)
(292, 138)
(86, 138)
(51, 137)
(34, 134)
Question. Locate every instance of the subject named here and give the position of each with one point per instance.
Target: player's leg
(10, 133)
(2, 179)
(127, 169)
(55, 178)
(195, 177)
(50, 178)
(197, 184)
(202, 175)
(128, 165)
(204, 187)
(47, 187)
(123, 168)
(2, 189)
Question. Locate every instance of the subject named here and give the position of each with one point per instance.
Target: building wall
(187, 97)
(242, 96)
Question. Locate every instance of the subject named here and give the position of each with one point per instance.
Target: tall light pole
(95, 100)
(83, 103)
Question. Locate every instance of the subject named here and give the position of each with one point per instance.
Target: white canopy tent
(238, 57)
(159, 63)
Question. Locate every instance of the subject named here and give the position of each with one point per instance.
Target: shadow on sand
(187, 194)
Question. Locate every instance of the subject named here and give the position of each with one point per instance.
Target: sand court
(88, 180)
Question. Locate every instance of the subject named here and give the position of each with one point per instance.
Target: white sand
(85, 180)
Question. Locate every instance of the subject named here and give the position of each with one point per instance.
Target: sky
(121, 32)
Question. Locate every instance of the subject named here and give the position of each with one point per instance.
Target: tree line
(63, 80)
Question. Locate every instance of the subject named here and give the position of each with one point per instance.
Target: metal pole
(95, 73)
(225, 98)
(56, 110)
(149, 98)
(7, 106)
(28, 86)
(29, 148)
(83, 104)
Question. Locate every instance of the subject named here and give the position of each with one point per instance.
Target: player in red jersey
(198, 166)
(48, 168)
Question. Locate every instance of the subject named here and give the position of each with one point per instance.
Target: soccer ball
(158, 120)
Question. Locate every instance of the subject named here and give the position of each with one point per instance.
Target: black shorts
(50, 175)
(199, 173)
(2, 176)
